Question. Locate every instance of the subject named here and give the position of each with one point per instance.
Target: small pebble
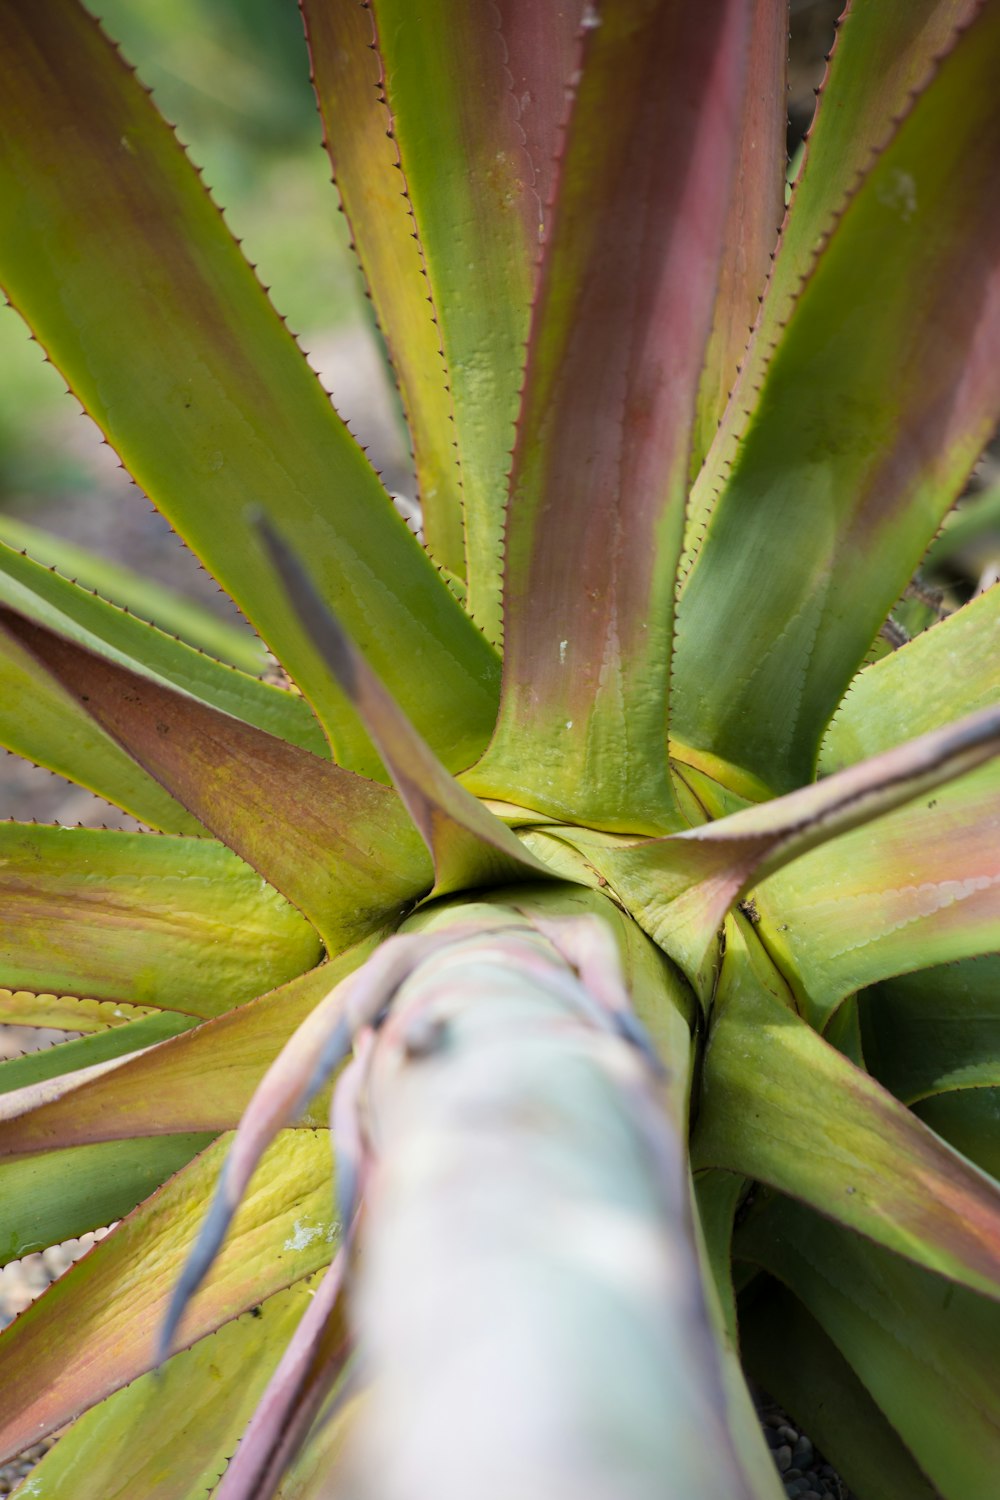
(783, 1457)
(802, 1453)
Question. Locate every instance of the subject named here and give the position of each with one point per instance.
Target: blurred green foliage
(232, 76)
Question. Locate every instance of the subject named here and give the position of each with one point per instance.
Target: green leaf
(118, 1041)
(781, 1105)
(177, 1086)
(468, 845)
(170, 1434)
(65, 1012)
(348, 78)
(93, 1330)
(159, 326)
(171, 922)
(927, 1351)
(172, 612)
(951, 669)
(972, 522)
(755, 211)
(716, 1195)
(61, 1194)
(969, 1119)
(923, 892)
(791, 1357)
(600, 468)
(885, 52)
(41, 595)
(43, 723)
(935, 1030)
(867, 426)
(312, 1362)
(451, 75)
(337, 845)
(679, 888)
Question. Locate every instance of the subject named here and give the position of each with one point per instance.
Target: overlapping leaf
(65, 1012)
(600, 467)
(781, 1105)
(925, 1350)
(868, 423)
(170, 1434)
(884, 54)
(935, 1030)
(313, 1360)
(925, 891)
(171, 922)
(60, 1194)
(680, 887)
(42, 722)
(474, 96)
(87, 1052)
(797, 1364)
(45, 597)
(756, 208)
(177, 1086)
(192, 622)
(347, 74)
(468, 845)
(951, 669)
(209, 403)
(341, 847)
(94, 1329)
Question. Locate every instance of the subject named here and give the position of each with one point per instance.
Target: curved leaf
(600, 468)
(781, 1105)
(679, 888)
(168, 1435)
(341, 847)
(884, 54)
(469, 846)
(61, 1194)
(148, 920)
(925, 891)
(348, 78)
(42, 722)
(46, 598)
(951, 669)
(208, 401)
(968, 1118)
(93, 1330)
(793, 1360)
(171, 612)
(756, 209)
(177, 1086)
(451, 75)
(868, 423)
(927, 1351)
(935, 1030)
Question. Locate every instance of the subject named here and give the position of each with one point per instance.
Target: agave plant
(628, 928)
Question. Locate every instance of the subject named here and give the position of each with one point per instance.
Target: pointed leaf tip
(469, 846)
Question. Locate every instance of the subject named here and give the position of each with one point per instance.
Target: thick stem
(527, 1301)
